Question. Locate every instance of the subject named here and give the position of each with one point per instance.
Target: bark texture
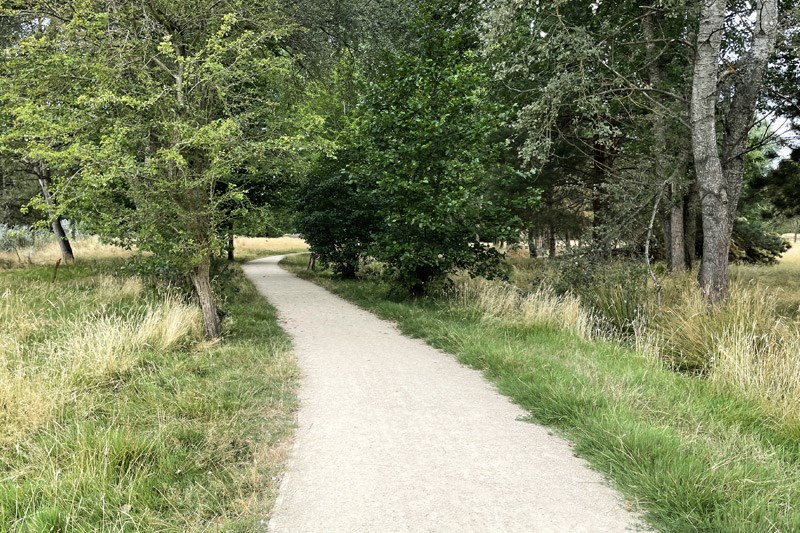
(720, 176)
(201, 279)
(713, 188)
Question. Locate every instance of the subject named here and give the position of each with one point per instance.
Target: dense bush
(337, 217)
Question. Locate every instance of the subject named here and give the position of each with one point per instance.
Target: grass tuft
(503, 302)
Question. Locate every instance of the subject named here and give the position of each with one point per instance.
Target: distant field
(783, 278)
(48, 253)
(252, 247)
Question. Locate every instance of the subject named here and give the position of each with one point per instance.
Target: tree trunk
(201, 279)
(58, 229)
(677, 237)
(673, 228)
(551, 237)
(230, 247)
(532, 250)
(747, 82)
(713, 189)
(666, 230)
(690, 224)
(720, 187)
(599, 201)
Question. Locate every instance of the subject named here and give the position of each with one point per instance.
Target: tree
(337, 218)
(720, 172)
(150, 107)
(424, 127)
(598, 93)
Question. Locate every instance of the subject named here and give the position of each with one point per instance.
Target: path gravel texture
(396, 436)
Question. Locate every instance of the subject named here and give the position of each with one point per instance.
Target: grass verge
(692, 456)
(115, 415)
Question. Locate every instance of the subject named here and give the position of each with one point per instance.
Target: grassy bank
(695, 456)
(116, 415)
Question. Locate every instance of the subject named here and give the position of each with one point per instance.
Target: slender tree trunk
(677, 241)
(64, 245)
(713, 189)
(551, 237)
(691, 202)
(230, 247)
(532, 250)
(677, 227)
(666, 230)
(201, 279)
(674, 226)
(599, 201)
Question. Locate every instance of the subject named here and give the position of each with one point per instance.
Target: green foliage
(424, 129)
(753, 243)
(164, 112)
(336, 218)
(769, 195)
(780, 187)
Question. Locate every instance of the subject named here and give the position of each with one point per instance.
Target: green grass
(106, 425)
(690, 455)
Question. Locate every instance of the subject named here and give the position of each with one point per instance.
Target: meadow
(117, 415)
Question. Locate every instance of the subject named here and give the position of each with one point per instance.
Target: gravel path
(394, 435)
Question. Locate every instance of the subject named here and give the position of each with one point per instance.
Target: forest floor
(394, 435)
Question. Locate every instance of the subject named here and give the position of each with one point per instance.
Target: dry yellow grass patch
(499, 300)
(56, 339)
(743, 345)
(49, 253)
(253, 247)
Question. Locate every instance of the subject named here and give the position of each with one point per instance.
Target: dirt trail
(394, 435)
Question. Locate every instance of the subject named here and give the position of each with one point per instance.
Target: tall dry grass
(47, 253)
(57, 339)
(750, 345)
(745, 345)
(502, 301)
(254, 247)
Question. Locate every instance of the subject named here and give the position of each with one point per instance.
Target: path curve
(395, 436)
